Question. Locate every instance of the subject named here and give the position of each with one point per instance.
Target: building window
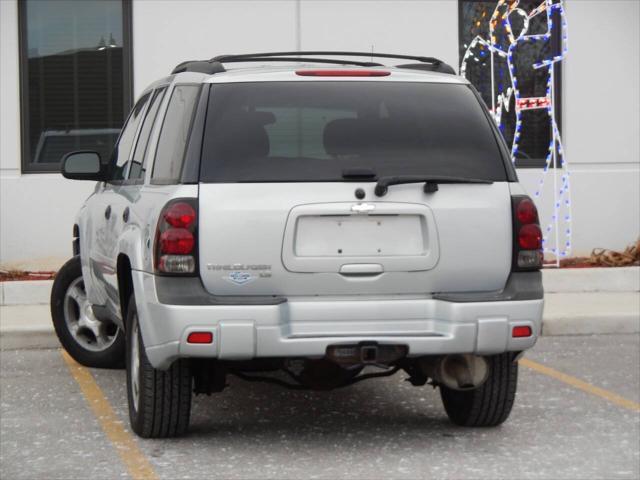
(75, 73)
(512, 53)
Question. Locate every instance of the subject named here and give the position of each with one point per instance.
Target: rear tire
(159, 401)
(91, 342)
(490, 404)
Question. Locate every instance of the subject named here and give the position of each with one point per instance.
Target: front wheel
(159, 401)
(490, 404)
(91, 342)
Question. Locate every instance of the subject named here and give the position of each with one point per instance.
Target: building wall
(36, 210)
(601, 105)
(601, 124)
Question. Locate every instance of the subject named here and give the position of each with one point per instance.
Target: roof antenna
(371, 53)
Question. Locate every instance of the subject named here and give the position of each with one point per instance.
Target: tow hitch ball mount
(366, 353)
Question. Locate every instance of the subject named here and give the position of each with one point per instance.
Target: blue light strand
(562, 196)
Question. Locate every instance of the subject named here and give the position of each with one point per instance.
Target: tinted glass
(139, 158)
(74, 80)
(175, 133)
(121, 153)
(311, 131)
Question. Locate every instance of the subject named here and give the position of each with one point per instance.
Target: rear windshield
(313, 131)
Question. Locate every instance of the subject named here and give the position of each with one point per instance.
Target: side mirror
(83, 166)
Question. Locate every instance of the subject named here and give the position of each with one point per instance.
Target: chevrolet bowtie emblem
(363, 208)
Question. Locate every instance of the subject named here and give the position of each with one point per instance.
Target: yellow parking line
(581, 385)
(134, 460)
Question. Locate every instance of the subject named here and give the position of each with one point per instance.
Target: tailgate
(284, 239)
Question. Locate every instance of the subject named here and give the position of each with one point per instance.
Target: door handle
(107, 212)
(361, 269)
(125, 215)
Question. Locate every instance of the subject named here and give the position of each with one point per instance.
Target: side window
(123, 148)
(174, 134)
(139, 158)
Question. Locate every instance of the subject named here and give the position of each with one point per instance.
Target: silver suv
(311, 223)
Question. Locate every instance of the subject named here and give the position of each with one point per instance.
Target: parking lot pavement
(581, 419)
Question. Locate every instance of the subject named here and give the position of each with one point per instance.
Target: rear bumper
(304, 327)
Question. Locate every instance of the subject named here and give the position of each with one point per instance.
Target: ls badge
(239, 278)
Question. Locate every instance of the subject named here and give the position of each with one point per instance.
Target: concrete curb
(566, 280)
(26, 326)
(578, 313)
(581, 301)
(28, 292)
(591, 325)
(591, 313)
(22, 340)
(622, 279)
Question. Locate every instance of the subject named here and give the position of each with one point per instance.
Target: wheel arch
(76, 239)
(129, 259)
(125, 283)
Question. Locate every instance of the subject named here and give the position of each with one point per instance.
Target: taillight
(177, 241)
(527, 236)
(530, 237)
(180, 215)
(526, 211)
(176, 238)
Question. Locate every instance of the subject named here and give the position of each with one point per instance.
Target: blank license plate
(360, 236)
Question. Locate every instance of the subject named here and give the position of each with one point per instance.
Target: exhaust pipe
(457, 372)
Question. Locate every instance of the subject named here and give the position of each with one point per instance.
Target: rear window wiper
(430, 182)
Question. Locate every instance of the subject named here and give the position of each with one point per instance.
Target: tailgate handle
(361, 269)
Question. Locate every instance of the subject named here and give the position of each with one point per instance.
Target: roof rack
(215, 65)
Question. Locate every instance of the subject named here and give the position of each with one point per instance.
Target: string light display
(508, 29)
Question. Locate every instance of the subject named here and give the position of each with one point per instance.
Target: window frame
(154, 93)
(113, 161)
(204, 176)
(167, 98)
(557, 88)
(23, 59)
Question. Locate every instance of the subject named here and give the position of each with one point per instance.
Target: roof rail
(251, 58)
(215, 65)
(237, 58)
(200, 66)
(427, 67)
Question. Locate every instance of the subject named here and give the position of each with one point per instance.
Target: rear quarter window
(174, 134)
(139, 157)
(311, 131)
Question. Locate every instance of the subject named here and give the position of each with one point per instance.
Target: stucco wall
(601, 105)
